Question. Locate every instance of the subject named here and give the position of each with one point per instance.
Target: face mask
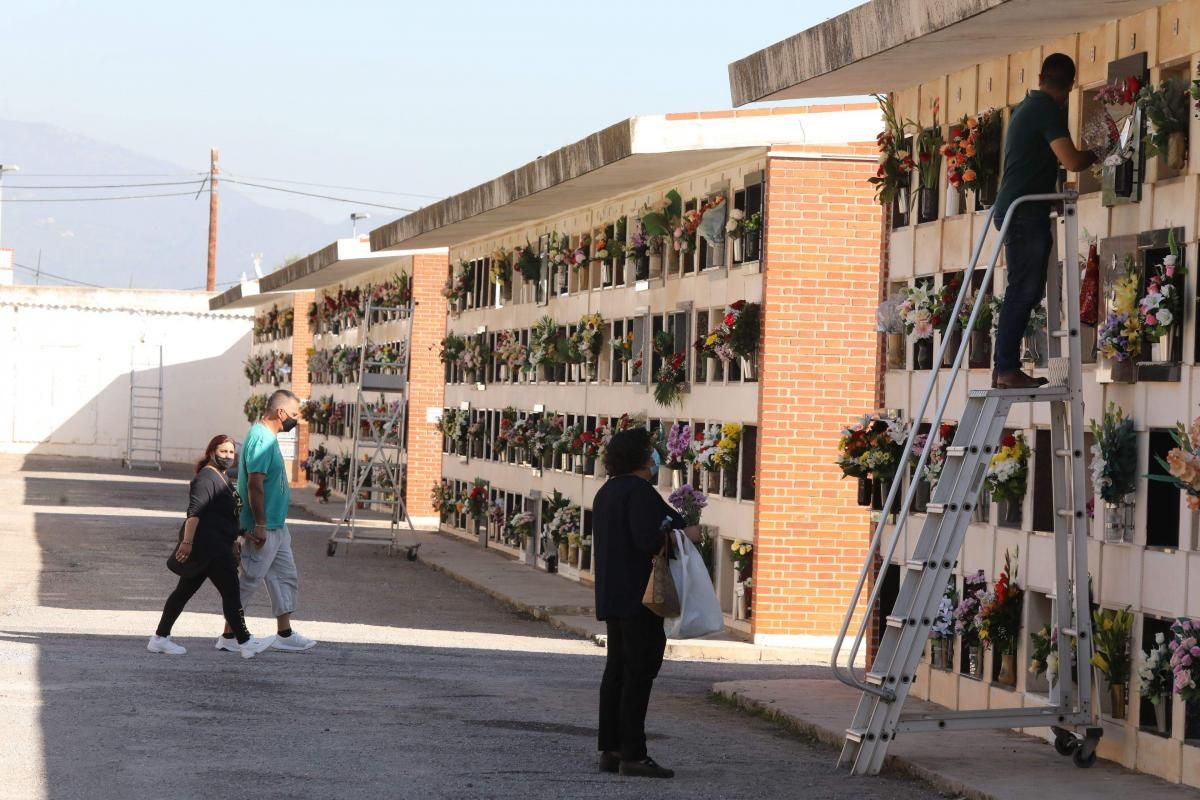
(289, 424)
(655, 462)
(223, 462)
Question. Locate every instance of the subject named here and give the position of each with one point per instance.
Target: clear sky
(428, 97)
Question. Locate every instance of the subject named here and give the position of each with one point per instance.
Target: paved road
(421, 688)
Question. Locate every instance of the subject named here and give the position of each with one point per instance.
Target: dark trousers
(635, 654)
(223, 574)
(1026, 253)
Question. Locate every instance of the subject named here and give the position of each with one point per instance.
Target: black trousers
(635, 654)
(222, 572)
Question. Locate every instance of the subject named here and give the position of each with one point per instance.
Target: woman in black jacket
(206, 551)
(630, 523)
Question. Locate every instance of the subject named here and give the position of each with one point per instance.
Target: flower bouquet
(1185, 658)
(562, 525)
(1165, 108)
(936, 462)
(893, 178)
(941, 632)
(452, 347)
(671, 378)
(511, 354)
(1111, 139)
(1008, 472)
(679, 447)
(589, 337)
(689, 501)
(441, 497)
(254, 407)
(741, 555)
(545, 436)
(1156, 677)
(720, 447)
(529, 263)
(1000, 618)
(500, 268)
(1042, 643)
(966, 613)
(1114, 470)
(1162, 305)
(1182, 463)
(929, 164)
(973, 155)
(917, 313)
(477, 500)
(545, 344)
(472, 358)
(1110, 637)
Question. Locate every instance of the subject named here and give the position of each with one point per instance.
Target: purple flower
(689, 501)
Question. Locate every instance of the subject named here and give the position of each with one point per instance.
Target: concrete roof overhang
(339, 261)
(246, 294)
(623, 158)
(886, 45)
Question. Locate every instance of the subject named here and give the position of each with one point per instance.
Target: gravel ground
(420, 688)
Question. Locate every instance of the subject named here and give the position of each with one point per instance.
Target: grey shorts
(273, 562)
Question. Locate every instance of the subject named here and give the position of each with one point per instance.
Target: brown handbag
(661, 596)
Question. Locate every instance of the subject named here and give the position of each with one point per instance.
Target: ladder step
(875, 678)
(1070, 631)
(956, 450)
(1062, 453)
(856, 734)
(935, 508)
(1064, 512)
(1060, 334)
(895, 621)
(915, 565)
(1042, 394)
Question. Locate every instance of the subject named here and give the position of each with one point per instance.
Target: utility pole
(211, 283)
(3, 169)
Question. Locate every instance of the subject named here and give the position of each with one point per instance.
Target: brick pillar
(426, 387)
(818, 373)
(301, 341)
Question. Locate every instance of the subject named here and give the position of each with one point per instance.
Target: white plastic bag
(700, 612)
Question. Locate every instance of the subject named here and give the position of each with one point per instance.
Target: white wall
(65, 360)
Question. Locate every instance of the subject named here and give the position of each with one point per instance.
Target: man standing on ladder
(267, 553)
(1037, 140)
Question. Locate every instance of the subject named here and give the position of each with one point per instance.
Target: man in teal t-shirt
(267, 554)
(1036, 141)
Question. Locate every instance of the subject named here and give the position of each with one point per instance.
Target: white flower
(1169, 261)
(922, 315)
(1158, 637)
(1165, 317)
(736, 214)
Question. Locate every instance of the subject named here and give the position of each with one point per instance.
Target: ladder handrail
(847, 676)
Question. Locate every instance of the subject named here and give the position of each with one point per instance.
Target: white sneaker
(163, 644)
(229, 645)
(255, 645)
(294, 643)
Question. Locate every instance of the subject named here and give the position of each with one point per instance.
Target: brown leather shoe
(610, 761)
(1016, 380)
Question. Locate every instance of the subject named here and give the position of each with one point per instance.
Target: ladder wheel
(1065, 744)
(331, 548)
(411, 555)
(1084, 757)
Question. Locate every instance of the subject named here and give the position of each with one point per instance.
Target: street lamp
(3, 169)
(355, 216)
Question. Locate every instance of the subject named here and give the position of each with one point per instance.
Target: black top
(214, 502)
(629, 524)
(1030, 166)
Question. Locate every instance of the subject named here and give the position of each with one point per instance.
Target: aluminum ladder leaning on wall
(143, 441)
(879, 718)
(379, 456)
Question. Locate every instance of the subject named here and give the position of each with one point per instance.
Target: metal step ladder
(885, 686)
(379, 455)
(143, 441)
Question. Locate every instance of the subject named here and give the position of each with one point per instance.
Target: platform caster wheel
(331, 548)
(1065, 744)
(1084, 757)
(411, 555)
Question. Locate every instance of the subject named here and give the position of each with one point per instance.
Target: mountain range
(157, 243)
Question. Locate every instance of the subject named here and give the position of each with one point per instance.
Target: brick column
(819, 371)
(426, 387)
(301, 341)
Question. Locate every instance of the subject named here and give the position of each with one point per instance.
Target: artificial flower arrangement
(442, 498)
(1111, 629)
(274, 324)
(1156, 673)
(1008, 472)
(657, 219)
(929, 149)
(578, 257)
(943, 302)
(987, 318)
(589, 337)
(472, 357)
(712, 219)
(622, 347)
(733, 225)
(689, 502)
(671, 378)
(680, 452)
(931, 473)
(1165, 108)
(546, 433)
(1182, 463)
(394, 293)
(1000, 609)
(741, 555)
(973, 152)
(873, 446)
(514, 432)
(458, 284)
(452, 346)
(588, 443)
(545, 345)
(966, 613)
(943, 621)
(477, 500)
(719, 449)
(316, 411)
(1161, 306)
(254, 407)
(563, 525)
(273, 367)
(991, 313)
(511, 352)
(500, 266)
(385, 355)
(454, 424)
(1042, 643)
(1114, 455)
(1185, 658)
(894, 175)
(529, 263)
(519, 527)
(1120, 337)
(736, 335)
(496, 515)
(568, 441)
(683, 234)
(917, 310)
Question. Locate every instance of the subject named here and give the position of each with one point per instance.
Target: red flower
(925, 157)
(946, 431)
(1008, 440)
(730, 319)
(738, 306)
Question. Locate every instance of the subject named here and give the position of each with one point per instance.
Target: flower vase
(985, 191)
(953, 343)
(1010, 513)
(656, 265)
(895, 351)
(502, 373)
(902, 202)
(564, 552)
(973, 661)
(1124, 371)
(1163, 350)
(924, 353)
(866, 490)
(593, 371)
(572, 553)
(677, 479)
(585, 556)
(1008, 669)
(1177, 150)
(1116, 693)
(938, 650)
(927, 206)
(953, 201)
(1118, 521)
(742, 605)
(1160, 716)
(752, 245)
(716, 254)
(920, 501)
(737, 250)
(981, 347)
(1032, 352)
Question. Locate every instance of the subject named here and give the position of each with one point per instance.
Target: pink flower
(1173, 644)
(1195, 652)
(1151, 319)
(1181, 681)
(1170, 272)
(1187, 625)
(1186, 661)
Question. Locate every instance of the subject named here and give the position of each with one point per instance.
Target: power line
(57, 277)
(335, 186)
(93, 199)
(312, 194)
(109, 185)
(110, 174)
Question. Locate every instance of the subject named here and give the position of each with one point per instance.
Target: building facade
(575, 311)
(974, 67)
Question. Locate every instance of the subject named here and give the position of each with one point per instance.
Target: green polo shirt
(1030, 166)
(260, 453)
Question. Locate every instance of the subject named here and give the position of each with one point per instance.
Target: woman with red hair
(206, 551)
